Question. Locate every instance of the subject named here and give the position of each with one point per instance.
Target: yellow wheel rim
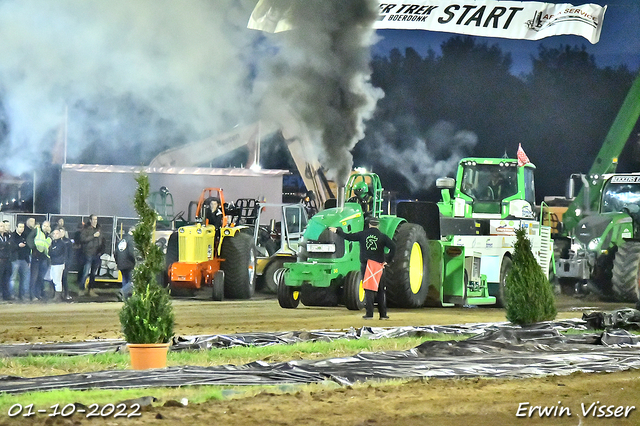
(295, 295)
(416, 268)
(360, 291)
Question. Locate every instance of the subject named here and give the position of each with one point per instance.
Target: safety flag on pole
(372, 275)
(522, 157)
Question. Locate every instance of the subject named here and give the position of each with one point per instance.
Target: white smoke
(423, 159)
(148, 73)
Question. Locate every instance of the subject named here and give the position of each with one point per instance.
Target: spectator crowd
(35, 259)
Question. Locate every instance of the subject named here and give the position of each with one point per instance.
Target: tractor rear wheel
(626, 272)
(353, 291)
(406, 276)
(239, 266)
(288, 297)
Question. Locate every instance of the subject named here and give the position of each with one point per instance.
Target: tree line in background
(560, 112)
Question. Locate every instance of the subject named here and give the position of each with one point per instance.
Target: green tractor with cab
(479, 212)
(327, 271)
(452, 253)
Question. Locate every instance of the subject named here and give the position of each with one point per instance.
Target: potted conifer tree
(147, 317)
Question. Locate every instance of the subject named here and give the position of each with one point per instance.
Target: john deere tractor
(451, 253)
(327, 271)
(202, 255)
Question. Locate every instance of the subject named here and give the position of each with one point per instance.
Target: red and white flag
(522, 157)
(372, 275)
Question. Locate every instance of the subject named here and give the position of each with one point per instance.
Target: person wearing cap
(372, 247)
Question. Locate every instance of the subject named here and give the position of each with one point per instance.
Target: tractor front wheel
(170, 257)
(269, 275)
(218, 286)
(505, 269)
(288, 297)
(353, 291)
(626, 272)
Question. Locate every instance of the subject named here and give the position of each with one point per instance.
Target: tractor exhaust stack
(341, 190)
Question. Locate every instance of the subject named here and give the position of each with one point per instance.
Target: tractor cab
(489, 188)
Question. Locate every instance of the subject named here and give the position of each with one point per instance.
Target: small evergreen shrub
(529, 294)
(147, 316)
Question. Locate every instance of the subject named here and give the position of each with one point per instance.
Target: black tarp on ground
(499, 351)
(206, 342)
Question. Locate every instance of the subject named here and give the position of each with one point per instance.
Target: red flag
(522, 157)
(372, 275)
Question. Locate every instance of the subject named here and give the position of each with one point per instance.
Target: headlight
(199, 230)
(593, 244)
(227, 232)
(181, 230)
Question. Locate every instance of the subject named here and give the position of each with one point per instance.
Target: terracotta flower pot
(148, 355)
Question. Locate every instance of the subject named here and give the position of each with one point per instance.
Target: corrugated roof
(207, 171)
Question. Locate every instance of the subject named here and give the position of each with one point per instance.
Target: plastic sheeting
(498, 354)
(496, 350)
(206, 342)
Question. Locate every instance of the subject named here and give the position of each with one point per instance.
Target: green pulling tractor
(328, 268)
(451, 253)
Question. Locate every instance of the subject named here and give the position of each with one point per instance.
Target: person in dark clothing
(372, 247)
(20, 261)
(68, 252)
(363, 196)
(92, 247)
(58, 255)
(5, 263)
(126, 261)
(214, 214)
(38, 240)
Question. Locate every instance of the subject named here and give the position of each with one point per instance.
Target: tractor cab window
(529, 186)
(296, 218)
(619, 192)
(489, 182)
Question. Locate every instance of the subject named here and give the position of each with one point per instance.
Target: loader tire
(626, 272)
(269, 275)
(406, 276)
(505, 269)
(288, 297)
(353, 291)
(239, 266)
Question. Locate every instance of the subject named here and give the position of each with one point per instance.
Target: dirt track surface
(438, 402)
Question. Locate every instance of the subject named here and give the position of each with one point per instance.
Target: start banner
(526, 20)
